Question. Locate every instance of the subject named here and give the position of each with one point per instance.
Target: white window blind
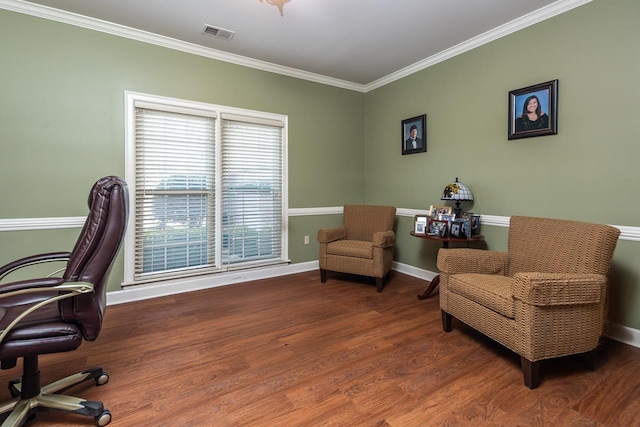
(208, 197)
(251, 190)
(175, 198)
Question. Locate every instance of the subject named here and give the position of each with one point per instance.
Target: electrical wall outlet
(306, 240)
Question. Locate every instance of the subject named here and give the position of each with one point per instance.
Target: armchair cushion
(491, 291)
(351, 248)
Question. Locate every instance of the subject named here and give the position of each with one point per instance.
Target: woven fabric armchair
(544, 298)
(363, 245)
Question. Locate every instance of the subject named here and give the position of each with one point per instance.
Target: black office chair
(54, 314)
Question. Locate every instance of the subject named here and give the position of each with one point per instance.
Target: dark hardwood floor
(291, 351)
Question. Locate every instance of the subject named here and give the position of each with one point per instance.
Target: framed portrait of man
(533, 111)
(414, 135)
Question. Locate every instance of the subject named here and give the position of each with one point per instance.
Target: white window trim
(180, 105)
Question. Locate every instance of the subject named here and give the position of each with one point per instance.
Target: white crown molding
(58, 15)
(518, 24)
(46, 12)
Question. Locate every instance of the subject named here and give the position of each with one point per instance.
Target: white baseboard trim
(412, 271)
(624, 334)
(155, 290)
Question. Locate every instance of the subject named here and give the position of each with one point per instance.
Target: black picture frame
(460, 228)
(420, 125)
(546, 123)
(438, 228)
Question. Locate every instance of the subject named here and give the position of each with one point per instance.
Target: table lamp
(459, 192)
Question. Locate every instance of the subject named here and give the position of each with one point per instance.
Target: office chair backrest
(95, 251)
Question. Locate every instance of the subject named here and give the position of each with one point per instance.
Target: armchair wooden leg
(323, 275)
(590, 359)
(447, 321)
(531, 372)
(380, 283)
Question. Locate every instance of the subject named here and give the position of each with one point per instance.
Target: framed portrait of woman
(533, 111)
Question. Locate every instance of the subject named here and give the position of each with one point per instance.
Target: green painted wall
(589, 171)
(62, 124)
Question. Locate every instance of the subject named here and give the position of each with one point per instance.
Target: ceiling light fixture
(278, 3)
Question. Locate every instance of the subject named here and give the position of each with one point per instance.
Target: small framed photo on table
(420, 225)
(435, 211)
(446, 217)
(439, 228)
(475, 225)
(460, 229)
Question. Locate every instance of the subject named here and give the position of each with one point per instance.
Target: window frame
(217, 111)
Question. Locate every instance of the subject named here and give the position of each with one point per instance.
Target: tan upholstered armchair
(544, 298)
(363, 246)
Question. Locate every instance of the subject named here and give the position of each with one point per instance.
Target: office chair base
(22, 407)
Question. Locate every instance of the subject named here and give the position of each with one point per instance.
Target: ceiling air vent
(218, 32)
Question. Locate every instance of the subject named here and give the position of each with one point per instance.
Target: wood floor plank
(291, 351)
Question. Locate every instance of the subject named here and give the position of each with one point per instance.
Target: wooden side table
(445, 244)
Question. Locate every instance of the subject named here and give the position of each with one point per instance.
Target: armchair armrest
(464, 260)
(384, 239)
(545, 289)
(326, 235)
(9, 268)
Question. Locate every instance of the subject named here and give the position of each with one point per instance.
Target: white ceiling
(356, 41)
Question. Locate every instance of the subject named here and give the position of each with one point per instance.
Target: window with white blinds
(251, 190)
(208, 188)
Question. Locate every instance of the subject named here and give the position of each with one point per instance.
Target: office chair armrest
(326, 235)
(42, 284)
(546, 289)
(61, 291)
(9, 268)
(384, 239)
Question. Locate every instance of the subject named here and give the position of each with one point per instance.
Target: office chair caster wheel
(103, 419)
(102, 379)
